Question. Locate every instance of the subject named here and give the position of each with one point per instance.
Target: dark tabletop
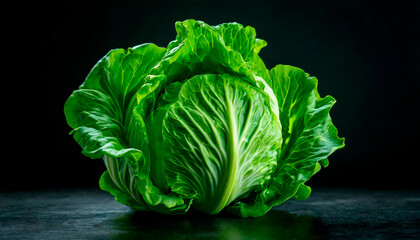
(326, 214)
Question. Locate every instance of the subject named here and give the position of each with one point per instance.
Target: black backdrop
(364, 54)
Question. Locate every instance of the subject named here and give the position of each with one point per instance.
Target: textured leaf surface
(309, 137)
(106, 125)
(222, 139)
(101, 111)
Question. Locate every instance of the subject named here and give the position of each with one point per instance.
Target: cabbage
(202, 124)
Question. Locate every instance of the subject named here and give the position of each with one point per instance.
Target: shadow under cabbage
(274, 225)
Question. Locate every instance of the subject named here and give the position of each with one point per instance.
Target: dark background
(364, 53)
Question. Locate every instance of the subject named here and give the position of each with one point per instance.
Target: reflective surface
(275, 225)
(327, 214)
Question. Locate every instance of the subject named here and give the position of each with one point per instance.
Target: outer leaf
(200, 48)
(222, 139)
(309, 138)
(108, 184)
(244, 41)
(105, 125)
(100, 112)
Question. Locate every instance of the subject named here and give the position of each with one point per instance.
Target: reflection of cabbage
(202, 123)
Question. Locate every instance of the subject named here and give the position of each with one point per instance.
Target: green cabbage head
(202, 124)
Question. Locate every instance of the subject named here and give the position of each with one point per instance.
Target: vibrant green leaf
(309, 137)
(221, 139)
